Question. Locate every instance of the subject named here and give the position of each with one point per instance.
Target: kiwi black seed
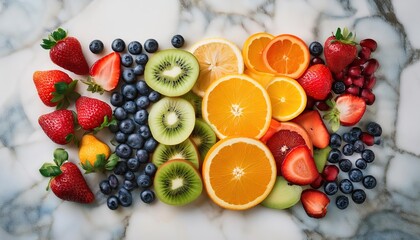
(203, 137)
(171, 120)
(185, 150)
(177, 182)
(172, 72)
(195, 100)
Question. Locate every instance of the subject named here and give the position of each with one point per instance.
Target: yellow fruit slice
(261, 77)
(239, 173)
(217, 57)
(252, 51)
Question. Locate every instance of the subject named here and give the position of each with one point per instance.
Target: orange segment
(253, 49)
(287, 55)
(239, 173)
(237, 105)
(217, 57)
(288, 98)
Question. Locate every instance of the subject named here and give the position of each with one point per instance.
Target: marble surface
(27, 211)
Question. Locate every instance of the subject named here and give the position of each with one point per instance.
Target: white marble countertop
(27, 211)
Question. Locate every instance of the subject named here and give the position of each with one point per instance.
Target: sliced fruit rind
(283, 195)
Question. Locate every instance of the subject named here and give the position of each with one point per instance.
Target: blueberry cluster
(344, 146)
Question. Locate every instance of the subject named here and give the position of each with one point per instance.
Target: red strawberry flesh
(106, 71)
(315, 203)
(299, 166)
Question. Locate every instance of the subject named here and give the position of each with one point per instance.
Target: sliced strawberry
(312, 122)
(347, 110)
(299, 167)
(274, 127)
(105, 73)
(315, 203)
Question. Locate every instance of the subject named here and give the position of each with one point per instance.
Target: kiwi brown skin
(192, 184)
(186, 150)
(203, 137)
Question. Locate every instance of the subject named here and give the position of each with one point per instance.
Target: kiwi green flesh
(203, 137)
(320, 157)
(283, 195)
(185, 150)
(172, 72)
(177, 183)
(171, 120)
(195, 100)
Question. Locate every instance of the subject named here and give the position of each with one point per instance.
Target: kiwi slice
(284, 195)
(185, 150)
(177, 182)
(171, 120)
(195, 100)
(172, 72)
(203, 137)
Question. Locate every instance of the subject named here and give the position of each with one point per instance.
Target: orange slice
(287, 55)
(288, 98)
(217, 57)
(237, 105)
(261, 77)
(253, 49)
(239, 173)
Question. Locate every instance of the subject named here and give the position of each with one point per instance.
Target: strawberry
(66, 52)
(346, 110)
(104, 73)
(93, 114)
(67, 181)
(312, 122)
(58, 126)
(340, 50)
(55, 88)
(299, 167)
(316, 81)
(315, 203)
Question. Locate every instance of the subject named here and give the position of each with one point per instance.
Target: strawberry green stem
(53, 38)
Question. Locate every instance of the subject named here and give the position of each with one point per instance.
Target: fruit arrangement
(257, 126)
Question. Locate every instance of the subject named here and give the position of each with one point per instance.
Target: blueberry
(150, 169)
(130, 107)
(113, 128)
(150, 145)
(144, 181)
(135, 141)
(358, 146)
(361, 163)
(334, 155)
(355, 175)
(147, 196)
(104, 187)
(141, 59)
(142, 155)
(151, 45)
(154, 96)
(315, 48)
(139, 70)
(346, 186)
(133, 164)
(142, 102)
(129, 175)
(117, 99)
(177, 41)
(342, 202)
(120, 168)
(129, 91)
(374, 129)
(120, 137)
(358, 196)
(112, 202)
(118, 45)
(120, 113)
(127, 126)
(348, 149)
(338, 87)
(345, 165)
(347, 137)
(124, 197)
(335, 140)
(126, 60)
(355, 133)
(143, 88)
(129, 184)
(96, 46)
(369, 181)
(113, 181)
(135, 47)
(368, 155)
(330, 188)
(128, 75)
(141, 116)
(144, 131)
(123, 150)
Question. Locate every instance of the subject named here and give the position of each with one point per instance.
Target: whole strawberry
(66, 52)
(67, 181)
(55, 88)
(316, 81)
(340, 50)
(93, 114)
(58, 126)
